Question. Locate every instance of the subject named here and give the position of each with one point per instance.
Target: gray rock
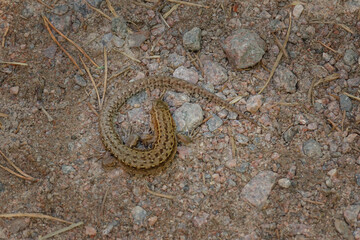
(357, 179)
(200, 220)
(192, 39)
(284, 183)
(342, 228)
(66, 169)
(214, 72)
(254, 103)
(298, 10)
(106, 40)
(186, 74)
(351, 214)
(137, 99)
(350, 57)
(139, 214)
(352, 5)
(118, 26)
(60, 9)
(214, 123)
(242, 139)
(345, 103)
(79, 80)
(188, 116)
(28, 10)
(2, 187)
(50, 51)
(118, 42)
(176, 99)
(258, 189)
(109, 227)
(354, 82)
(137, 38)
(312, 149)
(176, 60)
(18, 225)
(244, 48)
(286, 79)
(276, 25)
(62, 23)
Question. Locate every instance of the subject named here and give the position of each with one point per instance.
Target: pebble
(351, 214)
(312, 149)
(60, 9)
(285, 79)
(176, 99)
(244, 48)
(332, 173)
(192, 39)
(79, 80)
(50, 51)
(298, 9)
(90, 231)
(176, 60)
(139, 215)
(284, 183)
(342, 228)
(2, 187)
(354, 82)
(187, 74)
(214, 123)
(67, 169)
(109, 227)
(152, 221)
(117, 41)
(214, 72)
(289, 134)
(345, 103)
(357, 179)
(118, 26)
(350, 57)
(258, 189)
(299, 229)
(301, 119)
(254, 103)
(329, 183)
(18, 225)
(14, 90)
(231, 163)
(243, 167)
(242, 139)
(188, 117)
(137, 38)
(200, 220)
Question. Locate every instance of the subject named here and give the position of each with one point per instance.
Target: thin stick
(160, 194)
(65, 229)
(93, 109)
(33, 215)
(4, 36)
(278, 57)
(310, 92)
(313, 202)
(99, 11)
(14, 63)
(331, 49)
(343, 120)
(171, 10)
(163, 19)
(188, 3)
(328, 79)
(39, 1)
(50, 119)
(126, 55)
(92, 80)
(16, 174)
(4, 115)
(105, 76)
(56, 41)
(72, 42)
(103, 201)
(112, 10)
(17, 168)
(142, 4)
(334, 125)
(280, 46)
(352, 96)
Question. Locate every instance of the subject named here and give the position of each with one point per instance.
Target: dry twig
(171, 10)
(65, 229)
(4, 36)
(352, 96)
(21, 173)
(14, 63)
(105, 77)
(98, 10)
(112, 10)
(33, 215)
(188, 3)
(92, 80)
(160, 194)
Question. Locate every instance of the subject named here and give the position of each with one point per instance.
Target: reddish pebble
(14, 90)
(90, 231)
(152, 221)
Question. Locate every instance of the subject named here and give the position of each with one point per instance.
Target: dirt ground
(308, 155)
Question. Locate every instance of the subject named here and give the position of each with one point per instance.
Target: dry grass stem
(93, 109)
(280, 46)
(334, 125)
(188, 3)
(329, 78)
(127, 55)
(4, 36)
(142, 4)
(173, 8)
(236, 99)
(331, 49)
(65, 229)
(33, 215)
(4, 115)
(112, 10)
(49, 117)
(105, 77)
(72, 42)
(44, 4)
(278, 57)
(313, 202)
(152, 57)
(119, 73)
(160, 194)
(352, 96)
(163, 19)
(98, 10)
(14, 63)
(92, 81)
(24, 175)
(56, 41)
(287, 104)
(343, 120)
(310, 92)
(104, 201)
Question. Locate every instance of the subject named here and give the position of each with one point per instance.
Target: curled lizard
(164, 148)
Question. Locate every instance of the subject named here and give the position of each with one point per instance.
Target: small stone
(152, 220)
(254, 103)
(137, 38)
(298, 9)
(14, 90)
(351, 214)
(258, 189)
(214, 72)
(326, 56)
(117, 41)
(118, 26)
(176, 99)
(231, 163)
(60, 9)
(342, 228)
(90, 231)
(242, 139)
(289, 134)
(301, 119)
(176, 60)
(350, 57)
(345, 103)
(188, 117)
(18, 225)
(357, 179)
(329, 183)
(109, 227)
(285, 79)
(139, 214)
(67, 169)
(214, 123)
(50, 51)
(312, 149)
(79, 80)
(244, 48)
(2, 187)
(284, 183)
(186, 74)
(200, 220)
(354, 82)
(332, 173)
(192, 39)
(312, 126)
(276, 25)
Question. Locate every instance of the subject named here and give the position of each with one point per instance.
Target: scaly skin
(163, 151)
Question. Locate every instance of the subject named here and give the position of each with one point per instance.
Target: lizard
(163, 151)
